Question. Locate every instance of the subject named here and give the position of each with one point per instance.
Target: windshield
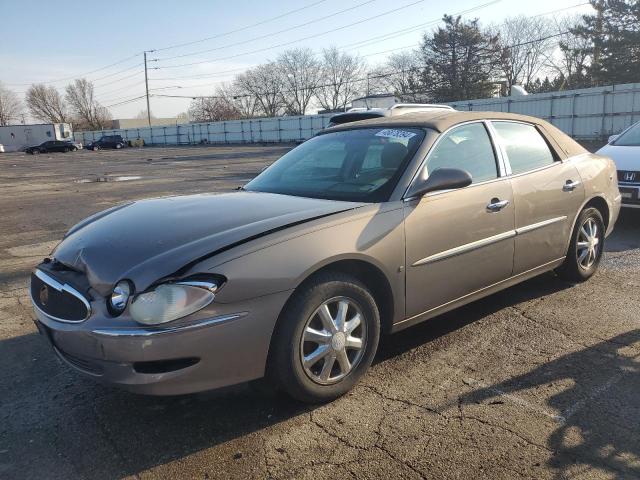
(630, 138)
(353, 165)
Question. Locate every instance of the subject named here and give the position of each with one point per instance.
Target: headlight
(120, 297)
(171, 301)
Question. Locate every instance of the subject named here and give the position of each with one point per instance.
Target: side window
(466, 147)
(525, 147)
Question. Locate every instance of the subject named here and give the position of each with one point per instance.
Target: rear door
(547, 192)
(459, 241)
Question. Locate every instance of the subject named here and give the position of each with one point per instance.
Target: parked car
(356, 114)
(107, 141)
(365, 229)
(624, 149)
(54, 146)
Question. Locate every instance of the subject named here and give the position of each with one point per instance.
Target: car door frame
(503, 176)
(560, 160)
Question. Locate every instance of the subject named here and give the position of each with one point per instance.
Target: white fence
(587, 114)
(258, 130)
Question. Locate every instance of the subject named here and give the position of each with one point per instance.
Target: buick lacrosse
(367, 228)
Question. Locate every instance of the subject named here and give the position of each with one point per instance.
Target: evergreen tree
(614, 34)
(461, 61)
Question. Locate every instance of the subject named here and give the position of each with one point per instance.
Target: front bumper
(630, 195)
(227, 345)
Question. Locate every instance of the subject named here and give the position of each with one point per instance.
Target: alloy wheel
(333, 341)
(588, 245)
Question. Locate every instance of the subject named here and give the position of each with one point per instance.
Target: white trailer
(17, 137)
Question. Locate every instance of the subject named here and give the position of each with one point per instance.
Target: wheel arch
(371, 275)
(598, 202)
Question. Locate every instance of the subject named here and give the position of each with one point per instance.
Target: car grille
(61, 302)
(628, 176)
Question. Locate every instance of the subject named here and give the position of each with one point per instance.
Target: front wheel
(96, 148)
(35, 151)
(326, 338)
(586, 247)
(118, 146)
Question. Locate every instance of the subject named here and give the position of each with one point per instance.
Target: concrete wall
(258, 130)
(585, 114)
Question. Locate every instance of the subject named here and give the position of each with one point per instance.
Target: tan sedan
(368, 227)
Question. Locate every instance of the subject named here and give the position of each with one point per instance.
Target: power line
(82, 74)
(370, 41)
(178, 45)
(261, 37)
(125, 101)
(388, 12)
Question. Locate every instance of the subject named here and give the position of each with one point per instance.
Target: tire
(291, 340)
(66, 150)
(95, 148)
(118, 146)
(35, 151)
(584, 255)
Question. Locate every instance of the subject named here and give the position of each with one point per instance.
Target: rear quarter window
(525, 147)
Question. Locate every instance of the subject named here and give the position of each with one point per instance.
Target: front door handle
(496, 205)
(570, 186)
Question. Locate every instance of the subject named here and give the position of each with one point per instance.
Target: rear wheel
(66, 150)
(586, 247)
(326, 338)
(96, 148)
(35, 151)
(118, 146)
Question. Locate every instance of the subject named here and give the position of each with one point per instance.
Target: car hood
(625, 158)
(151, 239)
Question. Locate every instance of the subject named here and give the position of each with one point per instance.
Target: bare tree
(88, 113)
(525, 46)
(10, 106)
(244, 102)
(572, 56)
(400, 75)
(212, 109)
(301, 73)
(341, 79)
(265, 83)
(46, 104)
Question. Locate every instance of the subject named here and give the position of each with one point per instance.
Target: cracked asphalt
(539, 381)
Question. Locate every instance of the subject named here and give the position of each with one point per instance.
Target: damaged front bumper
(222, 345)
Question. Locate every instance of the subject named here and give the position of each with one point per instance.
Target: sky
(54, 42)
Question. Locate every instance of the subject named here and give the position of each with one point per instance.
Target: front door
(459, 241)
(548, 193)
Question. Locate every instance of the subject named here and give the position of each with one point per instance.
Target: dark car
(108, 141)
(54, 146)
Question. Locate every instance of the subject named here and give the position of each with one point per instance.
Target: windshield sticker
(392, 133)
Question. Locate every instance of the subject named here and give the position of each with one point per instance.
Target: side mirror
(440, 179)
(612, 138)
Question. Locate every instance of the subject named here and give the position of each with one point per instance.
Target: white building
(17, 137)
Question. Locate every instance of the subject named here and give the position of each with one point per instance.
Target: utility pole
(146, 82)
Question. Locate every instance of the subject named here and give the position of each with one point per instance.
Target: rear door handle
(570, 186)
(496, 205)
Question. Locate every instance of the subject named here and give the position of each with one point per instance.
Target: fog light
(120, 297)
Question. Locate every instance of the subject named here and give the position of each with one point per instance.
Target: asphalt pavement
(539, 381)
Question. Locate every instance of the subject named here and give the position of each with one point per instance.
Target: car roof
(442, 120)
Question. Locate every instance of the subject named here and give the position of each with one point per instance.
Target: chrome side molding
(468, 247)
